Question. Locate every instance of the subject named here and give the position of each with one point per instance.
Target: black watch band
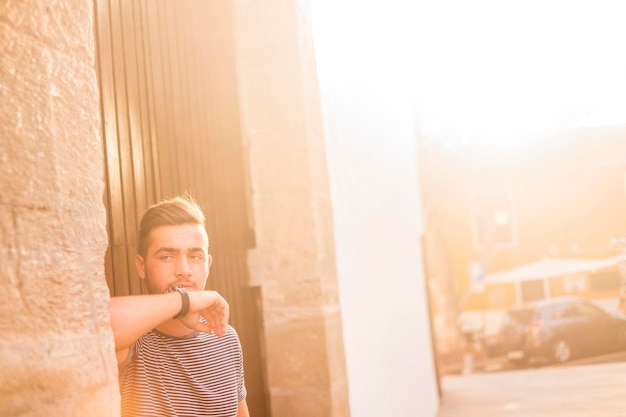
(185, 297)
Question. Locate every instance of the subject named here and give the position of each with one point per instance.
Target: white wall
(372, 156)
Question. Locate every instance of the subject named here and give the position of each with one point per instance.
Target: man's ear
(209, 260)
(141, 266)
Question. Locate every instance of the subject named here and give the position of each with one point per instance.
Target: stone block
(288, 403)
(57, 374)
(297, 354)
(47, 94)
(54, 24)
(278, 161)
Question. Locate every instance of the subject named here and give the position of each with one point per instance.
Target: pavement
(581, 389)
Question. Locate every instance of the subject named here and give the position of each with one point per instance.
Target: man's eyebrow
(166, 249)
(172, 250)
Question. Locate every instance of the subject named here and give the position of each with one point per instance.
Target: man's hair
(172, 212)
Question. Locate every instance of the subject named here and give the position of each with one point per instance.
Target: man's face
(177, 255)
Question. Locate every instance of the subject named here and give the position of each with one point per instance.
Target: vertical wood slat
(172, 141)
(125, 99)
(179, 72)
(150, 149)
(193, 104)
(142, 155)
(189, 119)
(158, 90)
(134, 162)
(111, 151)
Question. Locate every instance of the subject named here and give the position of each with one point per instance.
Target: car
(559, 329)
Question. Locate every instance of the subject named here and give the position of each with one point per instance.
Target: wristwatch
(185, 298)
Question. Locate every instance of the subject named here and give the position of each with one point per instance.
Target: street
(593, 387)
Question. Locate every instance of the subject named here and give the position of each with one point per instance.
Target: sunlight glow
(496, 71)
(483, 71)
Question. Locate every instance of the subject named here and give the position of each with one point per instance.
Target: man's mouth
(185, 285)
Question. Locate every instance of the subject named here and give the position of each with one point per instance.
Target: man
(176, 353)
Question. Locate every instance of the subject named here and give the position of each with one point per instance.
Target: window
(589, 310)
(605, 281)
(574, 283)
(532, 290)
(492, 220)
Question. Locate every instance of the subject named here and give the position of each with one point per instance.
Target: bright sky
(496, 70)
(486, 71)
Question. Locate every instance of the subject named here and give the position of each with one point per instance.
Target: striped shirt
(196, 375)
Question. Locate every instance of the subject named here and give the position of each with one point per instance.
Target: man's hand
(212, 307)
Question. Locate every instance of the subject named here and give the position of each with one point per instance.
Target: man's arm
(133, 316)
(242, 409)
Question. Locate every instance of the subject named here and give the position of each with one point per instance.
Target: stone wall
(56, 350)
(294, 261)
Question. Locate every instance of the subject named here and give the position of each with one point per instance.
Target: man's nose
(183, 267)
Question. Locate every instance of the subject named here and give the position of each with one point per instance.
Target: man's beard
(153, 288)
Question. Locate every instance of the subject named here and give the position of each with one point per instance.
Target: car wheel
(561, 351)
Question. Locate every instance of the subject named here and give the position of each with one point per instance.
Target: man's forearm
(134, 315)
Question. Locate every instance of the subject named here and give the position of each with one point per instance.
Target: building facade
(537, 222)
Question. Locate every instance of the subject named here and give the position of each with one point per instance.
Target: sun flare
(495, 71)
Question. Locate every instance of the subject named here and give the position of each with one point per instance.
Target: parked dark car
(559, 329)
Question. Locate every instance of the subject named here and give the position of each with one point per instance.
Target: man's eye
(167, 258)
(197, 257)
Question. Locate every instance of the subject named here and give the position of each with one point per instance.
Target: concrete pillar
(367, 71)
(294, 260)
(56, 349)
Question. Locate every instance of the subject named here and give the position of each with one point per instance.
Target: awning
(552, 267)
